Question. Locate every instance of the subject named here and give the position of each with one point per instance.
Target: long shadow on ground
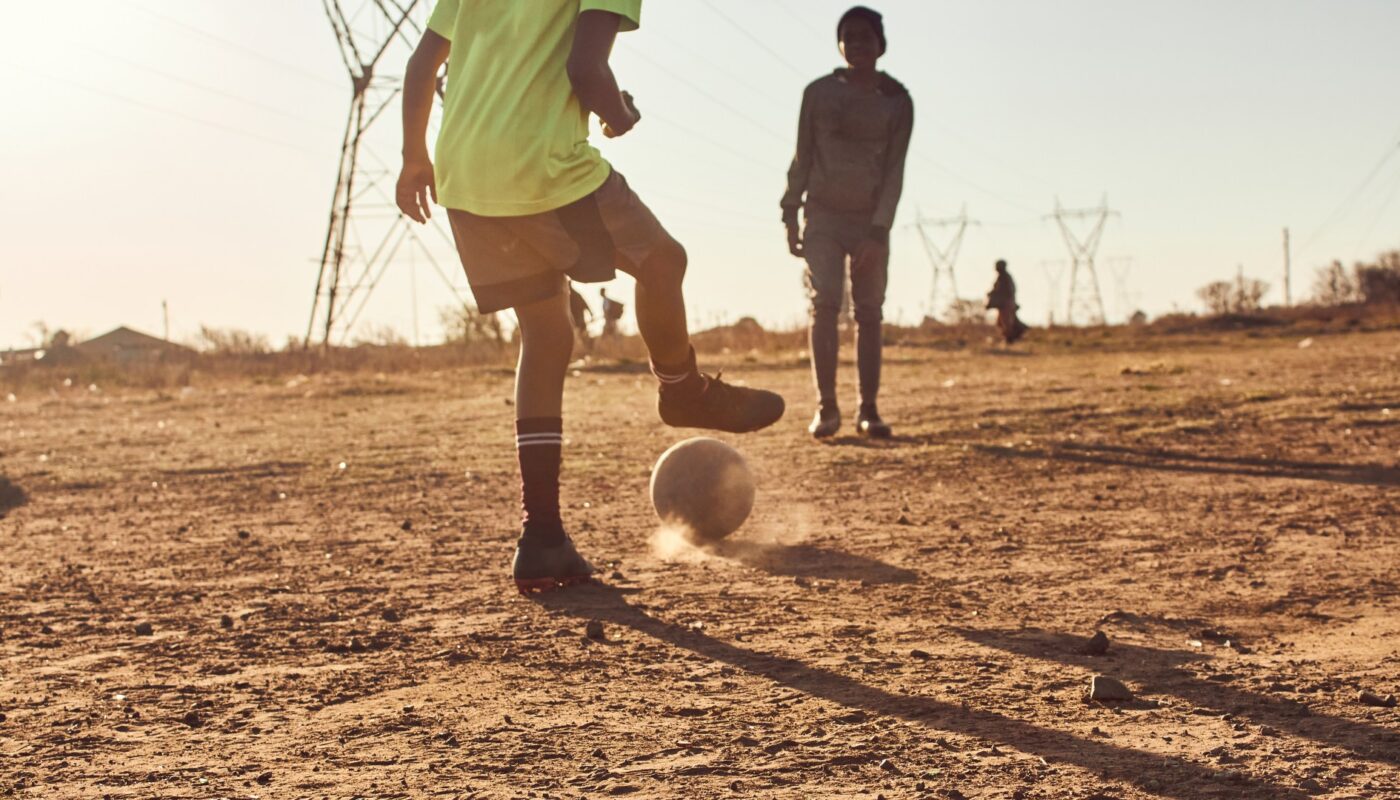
(11, 496)
(1159, 671)
(1170, 776)
(808, 561)
(1178, 461)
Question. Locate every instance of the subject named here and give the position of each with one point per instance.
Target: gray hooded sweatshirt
(851, 146)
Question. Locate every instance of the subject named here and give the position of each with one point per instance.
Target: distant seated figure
(1002, 297)
(612, 313)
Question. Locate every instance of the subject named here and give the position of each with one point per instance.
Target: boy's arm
(892, 186)
(592, 77)
(416, 190)
(798, 173)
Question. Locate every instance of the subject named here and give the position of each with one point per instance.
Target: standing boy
(533, 204)
(852, 138)
(612, 313)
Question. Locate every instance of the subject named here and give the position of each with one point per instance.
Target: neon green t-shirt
(514, 138)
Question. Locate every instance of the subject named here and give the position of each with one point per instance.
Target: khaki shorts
(516, 261)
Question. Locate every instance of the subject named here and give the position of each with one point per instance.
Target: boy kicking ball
(533, 205)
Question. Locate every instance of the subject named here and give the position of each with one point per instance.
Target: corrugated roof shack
(127, 346)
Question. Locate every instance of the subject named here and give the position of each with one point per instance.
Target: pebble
(244, 534)
(226, 622)
(1370, 698)
(389, 615)
(594, 630)
(407, 525)
(1097, 644)
(264, 778)
(1104, 688)
(192, 719)
(144, 629)
(920, 654)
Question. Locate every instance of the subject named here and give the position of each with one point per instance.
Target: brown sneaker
(826, 423)
(719, 406)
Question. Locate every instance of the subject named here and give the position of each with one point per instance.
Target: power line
(801, 73)
(707, 95)
(157, 109)
(203, 87)
(233, 45)
(1390, 151)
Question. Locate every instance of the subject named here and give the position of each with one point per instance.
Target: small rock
(888, 766)
(192, 719)
(1311, 786)
(903, 520)
(389, 615)
(264, 778)
(954, 794)
(1106, 689)
(46, 629)
(226, 622)
(594, 630)
(144, 629)
(244, 534)
(1096, 646)
(1369, 698)
(919, 654)
(407, 525)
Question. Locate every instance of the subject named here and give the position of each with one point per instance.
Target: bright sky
(185, 150)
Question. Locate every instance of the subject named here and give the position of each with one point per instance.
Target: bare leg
(661, 304)
(546, 345)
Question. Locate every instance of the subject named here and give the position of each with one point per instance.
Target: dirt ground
(298, 589)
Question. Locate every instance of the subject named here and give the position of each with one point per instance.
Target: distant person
(533, 204)
(581, 314)
(846, 178)
(1002, 297)
(612, 313)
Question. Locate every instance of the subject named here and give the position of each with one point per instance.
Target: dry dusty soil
(298, 589)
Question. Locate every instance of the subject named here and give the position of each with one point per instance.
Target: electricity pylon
(1085, 299)
(942, 259)
(366, 231)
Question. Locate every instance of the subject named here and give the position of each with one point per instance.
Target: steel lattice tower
(942, 259)
(1085, 300)
(366, 231)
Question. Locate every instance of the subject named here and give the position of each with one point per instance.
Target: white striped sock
(533, 439)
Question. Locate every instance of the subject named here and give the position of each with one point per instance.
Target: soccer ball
(704, 487)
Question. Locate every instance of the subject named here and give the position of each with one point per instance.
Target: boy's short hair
(876, 20)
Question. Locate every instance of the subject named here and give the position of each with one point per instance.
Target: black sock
(539, 443)
(684, 377)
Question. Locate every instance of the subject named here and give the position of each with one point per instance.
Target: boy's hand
(416, 190)
(794, 240)
(626, 125)
(870, 253)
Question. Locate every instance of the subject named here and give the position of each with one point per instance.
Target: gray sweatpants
(829, 242)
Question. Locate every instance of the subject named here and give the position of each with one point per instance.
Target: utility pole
(165, 314)
(366, 231)
(943, 259)
(1287, 271)
(1085, 299)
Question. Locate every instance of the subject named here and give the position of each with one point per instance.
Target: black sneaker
(719, 406)
(542, 567)
(826, 423)
(870, 424)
